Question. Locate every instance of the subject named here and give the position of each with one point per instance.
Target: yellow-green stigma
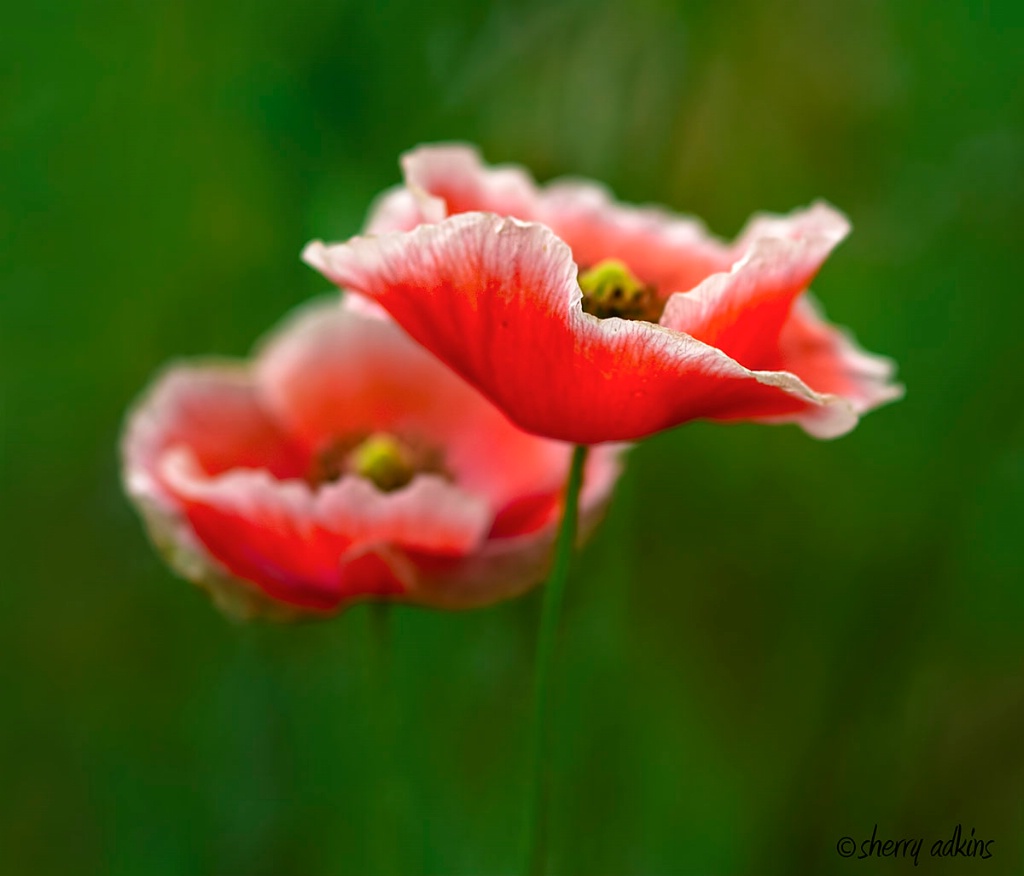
(611, 289)
(383, 460)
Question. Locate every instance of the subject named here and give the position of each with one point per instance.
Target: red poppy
(590, 321)
(345, 462)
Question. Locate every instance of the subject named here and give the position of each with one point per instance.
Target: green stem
(534, 842)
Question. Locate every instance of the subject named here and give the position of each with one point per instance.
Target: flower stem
(534, 838)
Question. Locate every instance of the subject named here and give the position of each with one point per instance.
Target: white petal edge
(352, 507)
(344, 263)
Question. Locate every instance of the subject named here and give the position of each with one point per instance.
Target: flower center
(383, 460)
(611, 289)
(387, 461)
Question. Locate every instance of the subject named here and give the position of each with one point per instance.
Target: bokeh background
(772, 643)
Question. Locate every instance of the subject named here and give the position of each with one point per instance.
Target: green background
(772, 643)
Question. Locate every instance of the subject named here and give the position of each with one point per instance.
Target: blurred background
(773, 642)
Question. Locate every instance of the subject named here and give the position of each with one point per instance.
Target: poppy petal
(330, 370)
(453, 178)
(669, 252)
(742, 311)
(498, 301)
(831, 361)
(296, 544)
(505, 567)
(213, 408)
(396, 209)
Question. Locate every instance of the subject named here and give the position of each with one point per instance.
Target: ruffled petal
(507, 566)
(669, 252)
(498, 301)
(452, 178)
(396, 209)
(310, 548)
(213, 408)
(218, 481)
(536, 509)
(175, 539)
(331, 370)
(215, 458)
(741, 312)
(263, 531)
(429, 514)
(831, 361)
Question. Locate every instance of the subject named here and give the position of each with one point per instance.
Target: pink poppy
(587, 321)
(345, 463)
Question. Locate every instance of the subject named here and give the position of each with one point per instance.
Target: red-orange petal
(332, 370)
(498, 301)
(741, 311)
(507, 566)
(452, 178)
(667, 251)
(306, 547)
(831, 361)
(215, 456)
(219, 483)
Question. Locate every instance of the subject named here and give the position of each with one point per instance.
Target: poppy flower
(343, 463)
(588, 321)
